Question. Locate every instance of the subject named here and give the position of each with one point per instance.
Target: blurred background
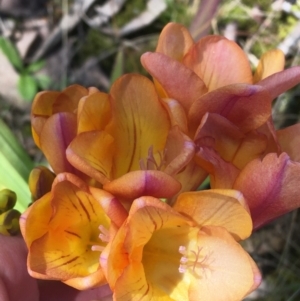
(50, 44)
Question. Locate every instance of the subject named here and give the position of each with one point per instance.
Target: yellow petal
(60, 230)
(93, 112)
(216, 207)
(92, 153)
(67, 100)
(174, 41)
(271, 62)
(39, 213)
(139, 122)
(224, 265)
(42, 103)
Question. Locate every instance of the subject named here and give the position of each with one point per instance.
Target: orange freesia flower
(126, 135)
(184, 252)
(227, 116)
(213, 76)
(61, 233)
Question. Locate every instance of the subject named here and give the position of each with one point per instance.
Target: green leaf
(11, 53)
(36, 66)
(15, 167)
(43, 81)
(118, 68)
(27, 86)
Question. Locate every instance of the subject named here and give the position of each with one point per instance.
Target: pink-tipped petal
(112, 207)
(276, 181)
(246, 106)
(142, 183)
(282, 81)
(56, 135)
(178, 81)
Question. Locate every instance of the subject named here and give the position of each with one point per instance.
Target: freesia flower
(227, 116)
(188, 252)
(61, 232)
(104, 137)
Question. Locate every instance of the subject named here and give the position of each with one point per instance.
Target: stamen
(104, 237)
(192, 259)
(104, 234)
(97, 248)
(150, 163)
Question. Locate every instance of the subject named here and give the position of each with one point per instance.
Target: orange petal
(93, 112)
(217, 132)
(282, 81)
(225, 265)
(39, 213)
(176, 114)
(174, 41)
(92, 153)
(64, 251)
(178, 81)
(139, 122)
(180, 150)
(289, 140)
(42, 103)
(218, 62)
(271, 62)
(191, 177)
(276, 181)
(112, 207)
(140, 183)
(217, 207)
(241, 104)
(37, 124)
(57, 133)
(41, 109)
(222, 173)
(67, 100)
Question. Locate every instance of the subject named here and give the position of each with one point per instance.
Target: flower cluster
(121, 205)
